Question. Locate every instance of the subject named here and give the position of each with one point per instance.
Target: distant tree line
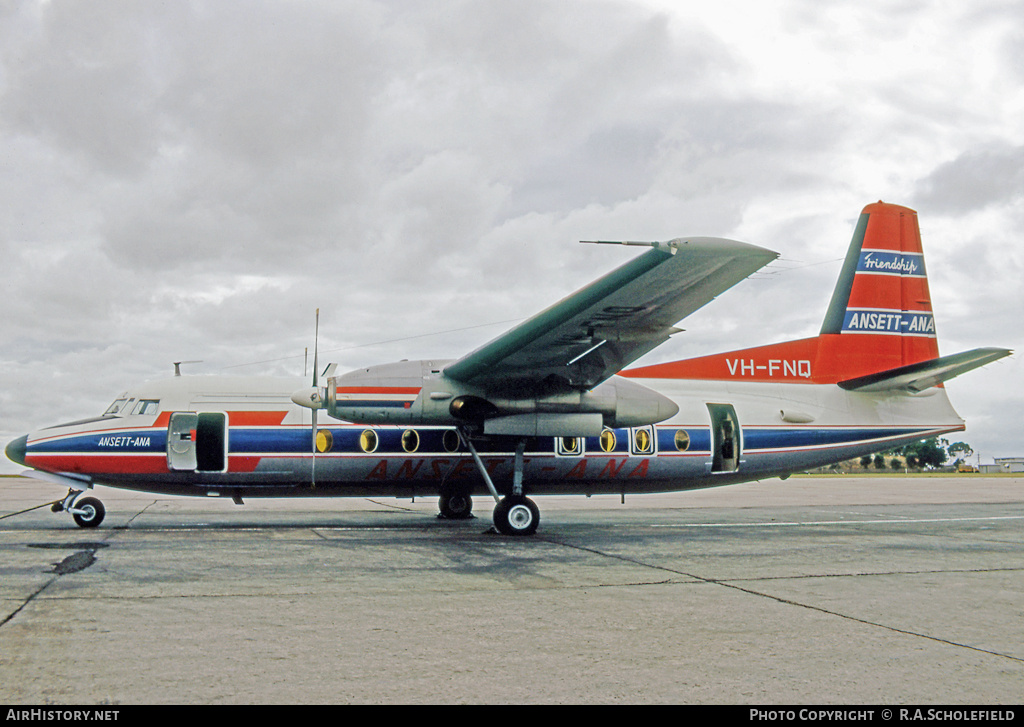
(924, 454)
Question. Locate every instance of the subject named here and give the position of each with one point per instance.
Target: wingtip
(721, 243)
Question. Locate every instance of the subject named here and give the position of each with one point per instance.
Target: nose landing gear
(88, 512)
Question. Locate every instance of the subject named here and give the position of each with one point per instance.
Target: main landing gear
(514, 514)
(455, 503)
(88, 512)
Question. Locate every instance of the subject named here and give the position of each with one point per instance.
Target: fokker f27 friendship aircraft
(549, 407)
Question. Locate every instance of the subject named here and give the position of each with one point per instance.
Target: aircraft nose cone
(15, 451)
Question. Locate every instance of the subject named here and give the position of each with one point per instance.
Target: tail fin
(877, 332)
(881, 315)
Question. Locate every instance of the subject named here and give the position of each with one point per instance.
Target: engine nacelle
(634, 405)
(386, 394)
(418, 393)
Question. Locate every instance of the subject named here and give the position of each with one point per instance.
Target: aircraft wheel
(456, 505)
(516, 515)
(89, 512)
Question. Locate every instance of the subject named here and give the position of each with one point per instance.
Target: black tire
(456, 505)
(516, 516)
(92, 512)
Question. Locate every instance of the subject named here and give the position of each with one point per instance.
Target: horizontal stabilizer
(925, 374)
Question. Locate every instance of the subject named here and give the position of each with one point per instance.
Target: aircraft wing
(600, 329)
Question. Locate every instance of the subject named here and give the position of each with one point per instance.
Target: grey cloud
(978, 178)
(80, 79)
(610, 165)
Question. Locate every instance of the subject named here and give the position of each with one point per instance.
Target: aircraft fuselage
(243, 437)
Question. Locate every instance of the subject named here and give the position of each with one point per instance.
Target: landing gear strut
(514, 514)
(88, 512)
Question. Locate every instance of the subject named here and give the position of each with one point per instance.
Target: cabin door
(725, 438)
(197, 442)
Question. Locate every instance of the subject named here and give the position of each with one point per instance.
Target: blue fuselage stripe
(296, 440)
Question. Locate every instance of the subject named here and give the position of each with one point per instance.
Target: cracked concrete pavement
(829, 590)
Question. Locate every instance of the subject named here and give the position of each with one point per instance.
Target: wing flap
(592, 334)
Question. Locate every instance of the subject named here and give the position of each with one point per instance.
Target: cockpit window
(116, 407)
(147, 407)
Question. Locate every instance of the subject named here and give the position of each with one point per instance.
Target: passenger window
(450, 440)
(643, 441)
(368, 440)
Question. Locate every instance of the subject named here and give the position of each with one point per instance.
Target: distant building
(1004, 464)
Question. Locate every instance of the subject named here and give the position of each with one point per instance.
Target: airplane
(550, 406)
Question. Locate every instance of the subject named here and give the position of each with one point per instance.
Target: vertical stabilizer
(880, 316)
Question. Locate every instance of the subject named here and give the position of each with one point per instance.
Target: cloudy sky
(191, 180)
